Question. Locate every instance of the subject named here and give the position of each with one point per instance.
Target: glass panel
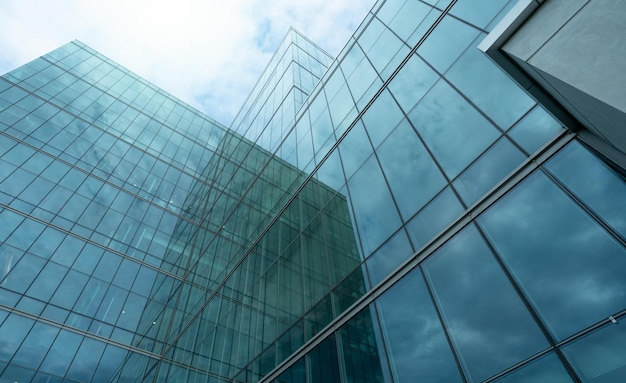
(61, 353)
(571, 269)
(412, 82)
(488, 170)
(435, 217)
(389, 256)
(548, 368)
(478, 12)
(374, 211)
(381, 117)
(418, 349)
(361, 353)
(295, 374)
(36, 344)
(600, 357)
(535, 130)
(86, 360)
(447, 41)
(323, 363)
(12, 333)
(486, 319)
(355, 148)
(411, 172)
(487, 86)
(592, 181)
(451, 128)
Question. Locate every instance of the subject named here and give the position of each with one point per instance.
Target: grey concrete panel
(589, 52)
(541, 26)
(599, 117)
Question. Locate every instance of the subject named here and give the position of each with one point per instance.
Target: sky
(208, 53)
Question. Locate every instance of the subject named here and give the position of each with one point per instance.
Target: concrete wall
(576, 49)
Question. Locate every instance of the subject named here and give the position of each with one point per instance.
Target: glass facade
(405, 212)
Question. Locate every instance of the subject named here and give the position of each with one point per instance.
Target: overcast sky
(208, 53)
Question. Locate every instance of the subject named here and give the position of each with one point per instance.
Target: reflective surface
(343, 225)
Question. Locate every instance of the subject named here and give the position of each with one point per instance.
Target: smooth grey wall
(577, 50)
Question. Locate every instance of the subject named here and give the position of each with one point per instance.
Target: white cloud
(205, 52)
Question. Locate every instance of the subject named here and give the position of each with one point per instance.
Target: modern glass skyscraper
(406, 212)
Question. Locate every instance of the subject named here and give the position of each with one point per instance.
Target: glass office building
(406, 212)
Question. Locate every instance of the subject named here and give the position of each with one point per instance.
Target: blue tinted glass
(389, 256)
(412, 82)
(411, 172)
(375, 213)
(486, 85)
(355, 148)
(110, 363)
(17, 374)
(548, 368)
(488, 170)
(435, 217)
(418, 349)
(21, 276)
(593, 182)
(452, 129)
(403, 16)
(36, 344)
(478, 12)
(486, 319)
(86, 360)
(599, 356)
(69, 290)
(12, 332)
(47, 281)
(535, 130)
(382, 117)
(572, 270)
(446, 43)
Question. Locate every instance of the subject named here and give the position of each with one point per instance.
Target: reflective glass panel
(570, 267)
(548, 368)
(600, 357)
(593, 182)
(375, 213)
(431, 220)
(487, 86)
(488, 170)
(535, 130)
(418, 349)
(411, 172)
(487, 321)
(451, 128)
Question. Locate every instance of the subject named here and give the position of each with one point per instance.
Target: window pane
(412, 82)
(572, 270)
(486, 319)
(488, 170)
(452, 129)
(389, 256)
(487, 86)
(600, 357)
(418, 349)
(359, 345)
(411, 172)
(61, 353)
(535, 130)
(548, 368)
(447, 41)
(374, 211)
(36, 344)
(435, 217)
(593, 182)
